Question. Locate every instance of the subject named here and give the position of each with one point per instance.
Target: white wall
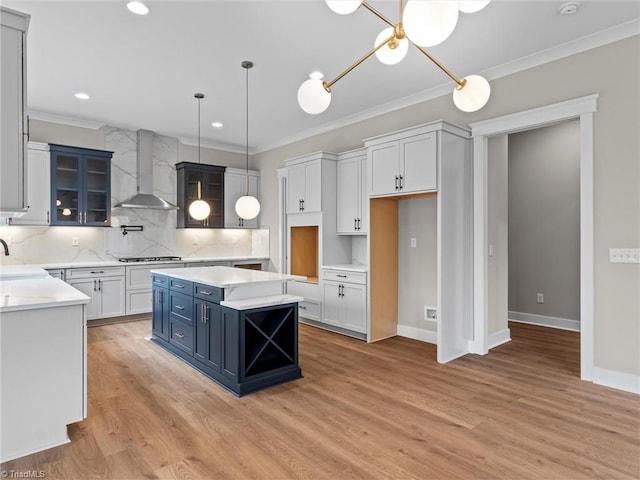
(617, 170)
(417, 267)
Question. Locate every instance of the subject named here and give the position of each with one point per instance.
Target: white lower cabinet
(139, 294)
(105, 286)
(344, 299)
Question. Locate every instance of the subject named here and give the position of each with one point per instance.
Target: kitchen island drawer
(181, 335)
(160, 280)
(182, 286)
(74, 273)
(344, 276)
(181, 306)
(207, 292)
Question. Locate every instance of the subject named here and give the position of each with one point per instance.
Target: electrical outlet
(414, 242)
(75, 242)
(430, 313)
(540, 297)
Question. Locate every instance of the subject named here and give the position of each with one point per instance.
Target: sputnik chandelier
(422, 23)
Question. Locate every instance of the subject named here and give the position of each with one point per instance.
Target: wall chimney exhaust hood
(145, 197)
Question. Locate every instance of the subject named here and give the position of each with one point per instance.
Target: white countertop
(224, 277)
(40, 292)
(350, 267)
(21, 271)
(117, 263)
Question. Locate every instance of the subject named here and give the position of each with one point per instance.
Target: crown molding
(225, 147)
(65, 119)
(588, 42)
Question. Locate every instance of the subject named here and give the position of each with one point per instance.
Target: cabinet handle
(202, 312)
(302, 307)
(355, 224)
(180, 335)
(48, 221)
(99, 285)
(94, 286)
(401, 185)
(179, 307)
(178, 285)
(97, 271)
(341, 276)
(397, 182)
(299, 204)
(358, 224)
(206, 313)
(205, 292)
(302, 204)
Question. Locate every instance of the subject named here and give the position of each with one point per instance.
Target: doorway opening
(583, 109)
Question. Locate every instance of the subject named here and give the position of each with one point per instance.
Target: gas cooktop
(149, 259)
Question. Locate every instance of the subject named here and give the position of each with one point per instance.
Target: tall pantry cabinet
(13, 119)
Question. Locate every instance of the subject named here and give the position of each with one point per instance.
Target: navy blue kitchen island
(234, 325)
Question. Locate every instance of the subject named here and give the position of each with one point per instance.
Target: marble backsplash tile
(159, 238)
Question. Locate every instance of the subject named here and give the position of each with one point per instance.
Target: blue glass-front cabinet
(80, 186)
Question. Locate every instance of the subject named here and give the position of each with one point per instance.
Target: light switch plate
(624, 255)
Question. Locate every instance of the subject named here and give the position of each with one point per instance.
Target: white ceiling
(142, 71)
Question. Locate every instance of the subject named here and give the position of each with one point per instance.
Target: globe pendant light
(247, 206)
(421, 23)
(199, 209)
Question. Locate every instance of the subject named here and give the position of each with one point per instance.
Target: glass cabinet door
(213, 196)
(67, 172)
(97, 191)
(80, 186)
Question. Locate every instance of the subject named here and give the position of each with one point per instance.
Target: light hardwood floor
(385, 410)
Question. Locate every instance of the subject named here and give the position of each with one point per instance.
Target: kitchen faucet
(6, 247)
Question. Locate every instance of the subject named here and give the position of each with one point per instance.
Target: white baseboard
(498, 338)
(418, 334)
(544, 321)
(618, 380)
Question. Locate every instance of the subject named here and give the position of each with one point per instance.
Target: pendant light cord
(247, 130)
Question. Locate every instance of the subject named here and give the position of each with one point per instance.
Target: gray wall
(498, 268)
(544, 221)
(616, 168)
(417, 268)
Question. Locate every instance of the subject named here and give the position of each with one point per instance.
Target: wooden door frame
(581, 108)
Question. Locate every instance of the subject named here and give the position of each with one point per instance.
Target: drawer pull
(180, 335)
(179, 307)
(341, 276)
(205, 292)
(98, 271)
(302, 307)
(177, 285)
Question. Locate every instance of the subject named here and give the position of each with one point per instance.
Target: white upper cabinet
(235, 186)
(402, 166)
(304, 186)
(38, 186)
(13, 120)
(353, 197)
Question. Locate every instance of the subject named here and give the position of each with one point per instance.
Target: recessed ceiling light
(316, 75)
(82, 96)
(138, 8)
(217, 124)
(568, 8)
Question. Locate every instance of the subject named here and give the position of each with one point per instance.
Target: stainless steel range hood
(145, 197)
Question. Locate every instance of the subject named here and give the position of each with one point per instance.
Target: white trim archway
(582, 108)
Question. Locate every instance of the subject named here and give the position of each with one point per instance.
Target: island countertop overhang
(226, 277)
